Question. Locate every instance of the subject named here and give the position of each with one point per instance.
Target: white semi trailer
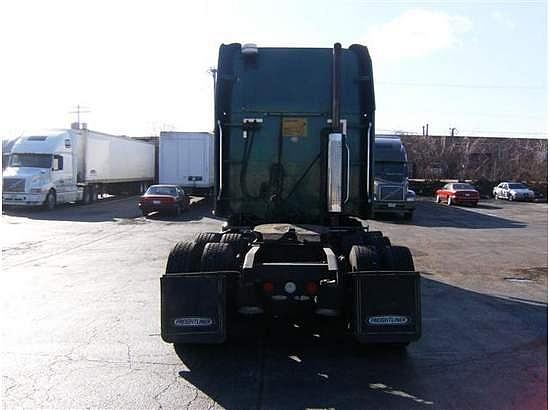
(187, 159)
(70, 165)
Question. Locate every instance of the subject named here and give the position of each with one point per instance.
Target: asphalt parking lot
(80, 319)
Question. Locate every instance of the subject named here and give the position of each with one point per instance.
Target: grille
(13, 185)
(392, 193)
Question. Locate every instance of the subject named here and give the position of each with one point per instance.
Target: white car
(513, 191)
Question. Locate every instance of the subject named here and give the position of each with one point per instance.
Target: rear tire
(217, 257)
(408, 216)
(182, 258)
(205, 237)
(364, 258)
(437, 199)
(236, 240)
(402, 258)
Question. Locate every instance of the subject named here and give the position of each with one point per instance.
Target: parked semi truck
(52, 167)
(294, 178)
(391, 178)
(187, 159)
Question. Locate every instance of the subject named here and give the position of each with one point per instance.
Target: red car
(164, 198)
(457, 193)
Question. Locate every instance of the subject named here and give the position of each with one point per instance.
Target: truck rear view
(294, 157)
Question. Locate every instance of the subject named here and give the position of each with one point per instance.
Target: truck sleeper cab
(294, 157)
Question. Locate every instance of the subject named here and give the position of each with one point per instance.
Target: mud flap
(194, 307)
(387, 307)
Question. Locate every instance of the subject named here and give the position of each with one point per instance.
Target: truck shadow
(115, 209)
(430, 214)
(199, 208)
(477, 351)
(102, 210)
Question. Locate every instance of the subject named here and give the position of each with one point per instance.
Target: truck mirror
(57, 163)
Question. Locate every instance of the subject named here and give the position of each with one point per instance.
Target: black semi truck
(294, 179)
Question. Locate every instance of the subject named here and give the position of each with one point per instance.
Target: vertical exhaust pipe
(335, 140)
(336, 57)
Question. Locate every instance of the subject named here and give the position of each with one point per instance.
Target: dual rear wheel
(209, 252)
(370, 258)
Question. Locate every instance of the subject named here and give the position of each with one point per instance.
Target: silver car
(513, 191)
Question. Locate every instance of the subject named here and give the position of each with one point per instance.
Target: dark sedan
(164, 198)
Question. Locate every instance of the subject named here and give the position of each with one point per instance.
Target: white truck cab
(41, 170)
(68, 165)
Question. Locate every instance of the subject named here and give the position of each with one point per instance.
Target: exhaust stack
(335, 140)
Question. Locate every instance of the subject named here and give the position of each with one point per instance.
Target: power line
(449, 85)
(450, 3)
(79, 110)
(468, 133)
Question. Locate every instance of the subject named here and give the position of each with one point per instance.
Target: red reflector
(268, 287)
(311, 288)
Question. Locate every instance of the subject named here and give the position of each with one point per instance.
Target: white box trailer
(68, 165)
(187, 159)
(110, 159)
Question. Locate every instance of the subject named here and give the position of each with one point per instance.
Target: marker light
(268, 287)
(311, 288)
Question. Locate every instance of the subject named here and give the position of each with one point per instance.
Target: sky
(140, 67)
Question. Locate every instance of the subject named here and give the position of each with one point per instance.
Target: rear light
(268, 287)
(312, 288)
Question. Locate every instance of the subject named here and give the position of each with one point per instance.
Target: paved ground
(80, 319)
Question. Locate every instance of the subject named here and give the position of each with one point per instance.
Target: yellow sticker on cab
(294, 127)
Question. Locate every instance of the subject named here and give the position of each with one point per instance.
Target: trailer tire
(182, 258)
(93, 194)
(364, 258)
(86, 196)
(402, 258)
(217, 257)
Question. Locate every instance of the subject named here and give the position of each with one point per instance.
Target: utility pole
(79, 110)
(425, 130)
(453, 131)
(213, 71)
